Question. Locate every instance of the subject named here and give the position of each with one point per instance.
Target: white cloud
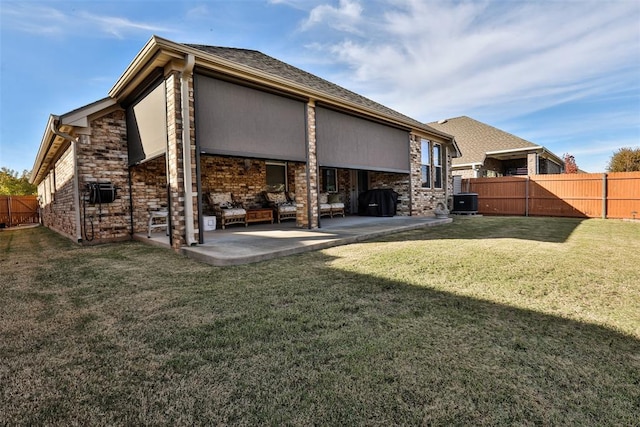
(44, 20)
(460, 57)
(345, 17)
(118, 26)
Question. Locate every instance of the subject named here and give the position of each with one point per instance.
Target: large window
(329, 180)
(437, 165)
(276, 177)
(425, 161)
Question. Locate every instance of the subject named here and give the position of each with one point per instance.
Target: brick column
(532, 164)
(310, 193)
(174, 159)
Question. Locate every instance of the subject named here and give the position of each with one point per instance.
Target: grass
(500, 321)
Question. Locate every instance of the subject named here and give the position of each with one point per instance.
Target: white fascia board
(516, 150)
(80, 117)
(45, 143)
(466, 165)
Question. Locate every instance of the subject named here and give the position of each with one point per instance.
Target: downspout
(76, 190)
(185, 74)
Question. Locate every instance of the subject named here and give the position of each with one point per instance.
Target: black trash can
(378, 203)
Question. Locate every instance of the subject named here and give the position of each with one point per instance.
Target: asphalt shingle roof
(476, 138)
(269, 65)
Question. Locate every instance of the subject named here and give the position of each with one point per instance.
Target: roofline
(538, 148)
(75, 118)
(466, 165)
(158, 52)
(515, 150)
(45, 145)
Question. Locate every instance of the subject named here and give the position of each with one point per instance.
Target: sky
(564, 74)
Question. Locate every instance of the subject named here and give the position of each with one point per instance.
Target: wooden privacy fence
(16, 210)
(609, 195)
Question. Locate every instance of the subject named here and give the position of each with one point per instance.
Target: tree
(570, 165)
(625, 160)
(13, 184)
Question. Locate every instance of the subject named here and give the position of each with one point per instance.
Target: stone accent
(314, 179)
(175, 159)
(532, 164)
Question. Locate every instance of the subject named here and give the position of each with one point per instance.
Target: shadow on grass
(541, 229)
(296, 341)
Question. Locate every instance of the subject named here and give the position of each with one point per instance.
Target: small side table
(259, 215)
(153, 215)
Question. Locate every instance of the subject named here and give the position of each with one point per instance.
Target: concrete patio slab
(259, 242)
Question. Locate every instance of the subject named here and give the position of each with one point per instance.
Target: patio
(259, 242)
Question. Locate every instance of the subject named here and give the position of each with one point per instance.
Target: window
(425, 161)
(437, 165)
(276, 177)
(329, 180)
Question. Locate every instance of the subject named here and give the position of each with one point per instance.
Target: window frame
(271, 187)
(438, 168)
(324, 175)
(425, 167)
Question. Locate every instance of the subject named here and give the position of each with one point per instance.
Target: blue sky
(562, 74)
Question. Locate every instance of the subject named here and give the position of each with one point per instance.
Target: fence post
(526, 197)
(9, 211)
(604, 196)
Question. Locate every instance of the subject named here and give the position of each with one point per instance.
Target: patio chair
(283, 206)
(226, 209)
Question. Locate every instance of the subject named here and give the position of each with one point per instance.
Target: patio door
(360, 180)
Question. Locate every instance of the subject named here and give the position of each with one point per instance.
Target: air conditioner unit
(466, 203)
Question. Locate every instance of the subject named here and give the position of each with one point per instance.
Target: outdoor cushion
(287, 208)
(234, 211)
(324, 198)
(333, 198)
(277, 198)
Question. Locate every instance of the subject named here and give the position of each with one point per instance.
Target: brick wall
(246, 179)
(57, 197)
(425, 200)
(103, 157)
(149, 190)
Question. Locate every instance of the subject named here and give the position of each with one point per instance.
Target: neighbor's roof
(475, 139)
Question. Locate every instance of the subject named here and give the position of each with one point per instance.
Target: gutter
(76, 190)
(187, 72)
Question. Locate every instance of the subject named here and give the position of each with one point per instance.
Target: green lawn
(500, 321)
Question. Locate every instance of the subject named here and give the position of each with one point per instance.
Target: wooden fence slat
(614, 195)
(16, 210)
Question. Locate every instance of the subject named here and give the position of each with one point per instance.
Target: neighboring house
(488, 151)
(250, 123)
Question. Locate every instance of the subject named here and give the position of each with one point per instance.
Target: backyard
(485, 321)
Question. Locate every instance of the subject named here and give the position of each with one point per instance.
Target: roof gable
(475, 139)
(269, 65)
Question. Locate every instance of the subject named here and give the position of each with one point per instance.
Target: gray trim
(351, 142)
(235, 120)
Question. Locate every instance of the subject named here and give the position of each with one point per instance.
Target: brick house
(488, 151)
(186, 120)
